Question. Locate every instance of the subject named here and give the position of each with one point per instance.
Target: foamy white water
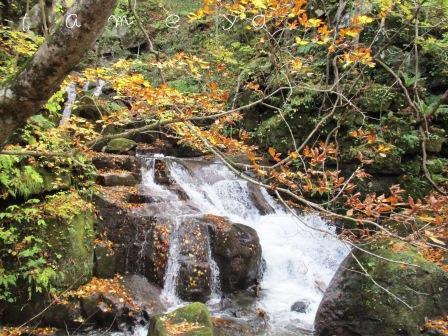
(299, 260)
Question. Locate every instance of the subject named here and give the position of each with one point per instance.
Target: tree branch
(24, 95)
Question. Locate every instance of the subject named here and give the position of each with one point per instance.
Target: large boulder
(191, 320)
(237, 251)
(355, 304)
(211, 242)
(139, 241)
(144, 294)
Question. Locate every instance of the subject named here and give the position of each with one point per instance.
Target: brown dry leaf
(399, 247)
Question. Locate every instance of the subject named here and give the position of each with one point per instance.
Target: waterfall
(169, 294)
(300, 261)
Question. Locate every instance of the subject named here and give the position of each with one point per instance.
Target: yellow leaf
(362, 19)
(296, 64)
(260, 4)
(314, 23)
(300, 41)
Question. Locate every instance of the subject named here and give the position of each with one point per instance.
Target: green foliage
(22, 176)
(16, 47)
(31, 245)
(54, 104)
(17, 178)
(22, 251)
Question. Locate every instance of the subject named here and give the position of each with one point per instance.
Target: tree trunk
(24, 95)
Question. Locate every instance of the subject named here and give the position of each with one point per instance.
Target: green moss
(120, 145)
(70, 233)
(416, 186)
(45, 245)
(377, 98)
(435, 142)
(435, 166)
(75, 248)
(418, 292)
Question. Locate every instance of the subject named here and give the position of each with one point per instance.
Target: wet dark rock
(177, 189)
(161, 173)
(104, 262)
(145, 294)
(194, 280)
(300, 306)
(237, 251)
(64, 315)
(131, 233)
(162, 176)
(108, 310)
(111, 179)
(140, 198)
(156, 252)
(354, 305)
(225, 326)
(117, 162)
(258, 199)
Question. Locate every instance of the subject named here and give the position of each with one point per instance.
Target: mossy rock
(71, 236)
(193, 319)
(415, 186)
(389, 164)
(53, 181)
(434, 143)
(63, 226)
(435, 166)
(105, 262)
(120, 145)
(355, 305)
(377, 98)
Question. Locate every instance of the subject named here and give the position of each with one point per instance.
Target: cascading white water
(214, 272)
(299, 260)
(169, 295)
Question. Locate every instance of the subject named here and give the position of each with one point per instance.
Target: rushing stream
(299, 261)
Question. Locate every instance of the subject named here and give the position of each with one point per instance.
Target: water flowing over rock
(243, 222)
(195, 229)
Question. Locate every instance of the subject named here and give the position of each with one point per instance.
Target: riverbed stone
(355, 305)
(191, 320)
(107, 310)
(300, 306)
